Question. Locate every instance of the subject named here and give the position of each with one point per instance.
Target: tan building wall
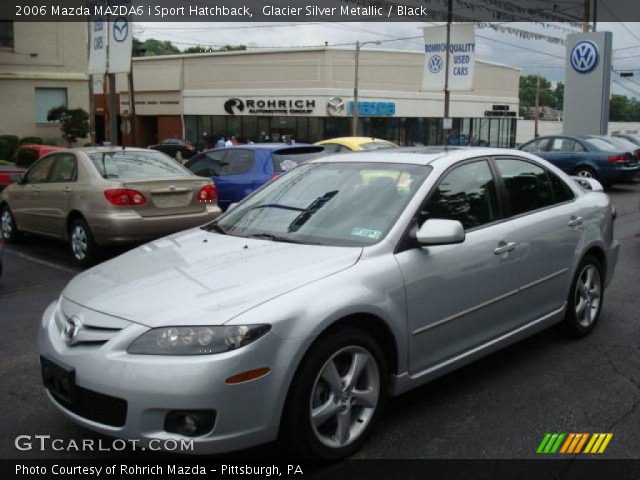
(45, 55)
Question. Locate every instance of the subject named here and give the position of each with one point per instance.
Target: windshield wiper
(214, 227)
(272, 237)
(311, 210)
(277, 205)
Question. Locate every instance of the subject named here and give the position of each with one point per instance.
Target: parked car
(94, 197)
(9, 173)
(239, 170)
(619, 143)
(27, 154)
(354, 144)
(632, 137)
(177, 148)
(586, 156)
(349, 278)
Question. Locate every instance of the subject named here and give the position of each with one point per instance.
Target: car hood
(201, 278)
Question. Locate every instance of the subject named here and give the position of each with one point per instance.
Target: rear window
(123, 164)
(601, 144)
(289, 158)
(376, 145)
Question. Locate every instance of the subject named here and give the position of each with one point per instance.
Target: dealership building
(307, 95)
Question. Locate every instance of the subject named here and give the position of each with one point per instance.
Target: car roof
(263, 146)
(417, 155)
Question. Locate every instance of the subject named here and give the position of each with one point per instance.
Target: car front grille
(97, 407)
(78, 326)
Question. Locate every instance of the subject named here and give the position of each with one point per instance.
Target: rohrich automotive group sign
(269, 106)
(462, 51)
(587, 83)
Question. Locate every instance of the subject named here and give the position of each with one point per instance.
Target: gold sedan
(354, 144)
(95, 197)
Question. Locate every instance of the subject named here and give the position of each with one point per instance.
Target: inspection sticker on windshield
(365, 232)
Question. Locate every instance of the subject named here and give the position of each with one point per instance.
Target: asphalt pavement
(498, 407)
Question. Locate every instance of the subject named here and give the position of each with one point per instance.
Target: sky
(531, 55)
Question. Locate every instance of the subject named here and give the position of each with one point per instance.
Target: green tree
(558, 96)
(528, 85)
(203, 49)
(74, 123)
(152, 47)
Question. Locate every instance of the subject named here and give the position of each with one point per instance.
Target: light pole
(354, 114)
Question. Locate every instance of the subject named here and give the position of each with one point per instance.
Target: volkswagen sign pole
(446, 122)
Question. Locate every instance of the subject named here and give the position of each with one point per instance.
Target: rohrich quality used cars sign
(462, 50)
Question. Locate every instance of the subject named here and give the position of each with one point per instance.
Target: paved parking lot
(499, 407)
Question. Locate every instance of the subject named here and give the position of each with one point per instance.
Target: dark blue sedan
(587, 156)
(240, 170)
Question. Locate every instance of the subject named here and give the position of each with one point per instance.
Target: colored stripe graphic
(573, 443)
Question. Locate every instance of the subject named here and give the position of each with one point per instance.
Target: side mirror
(440, 232)
(589, 184)
(17, 178)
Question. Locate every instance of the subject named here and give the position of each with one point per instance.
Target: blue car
(240, 170)
(587, 156)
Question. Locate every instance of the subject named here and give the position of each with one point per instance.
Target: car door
(25, 198)
(238, 176)
(460, 296)
(548, 231)
(55, 195)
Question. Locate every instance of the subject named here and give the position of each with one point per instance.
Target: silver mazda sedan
(348, 279)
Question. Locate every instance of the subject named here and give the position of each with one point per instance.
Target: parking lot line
(41, 262)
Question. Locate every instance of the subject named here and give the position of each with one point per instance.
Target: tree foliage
(74, 123)
(152, 47)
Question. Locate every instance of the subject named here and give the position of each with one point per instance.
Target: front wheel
(336, 395)
(585, 298)
(8, 227)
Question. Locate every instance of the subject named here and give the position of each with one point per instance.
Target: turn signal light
(123, 197)
(618, 159)
(208, 193)
(247, 376)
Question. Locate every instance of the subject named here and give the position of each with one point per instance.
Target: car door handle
(505, 248)
(575, 221)
(66, 189)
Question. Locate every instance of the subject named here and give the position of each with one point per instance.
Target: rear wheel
(586, 172)
(83, 246)
(336, 395)
(8, 227)
(585, 298)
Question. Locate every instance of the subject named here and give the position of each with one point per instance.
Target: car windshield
(136, 164)
(289, 158)
(376, 145)
(340, 204)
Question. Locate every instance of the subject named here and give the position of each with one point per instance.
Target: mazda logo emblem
(72, 327)
(584, 56)
(120, 29)
(435, 64)
(233, 106)
(335, 106)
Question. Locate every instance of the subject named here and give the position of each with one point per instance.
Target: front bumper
(247, 414)
(612, 261)
(128, 227)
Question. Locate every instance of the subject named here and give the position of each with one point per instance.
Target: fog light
(190, 423)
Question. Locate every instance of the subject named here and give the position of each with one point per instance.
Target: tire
(179, 157)
(355, 408)
(585, 298)
(587, 172)
(83, 247)
(8, 227)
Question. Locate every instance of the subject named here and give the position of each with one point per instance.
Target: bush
(31, 141)
(26, 157)
(5, 149)
(12, 143)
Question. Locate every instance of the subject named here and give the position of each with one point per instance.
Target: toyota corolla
(346, 280)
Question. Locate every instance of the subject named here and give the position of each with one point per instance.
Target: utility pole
(447, 96)
(354, 113)
(536, 134)
(92, 103)
(587, 16)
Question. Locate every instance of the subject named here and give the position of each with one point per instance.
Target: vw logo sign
(335, 106)
(233, 106)
(120, 29)
(585, 56)
(71, 329)
(435, 64)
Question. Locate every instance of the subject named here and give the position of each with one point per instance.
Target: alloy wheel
(584, 173)
(588, 294)
(344, 396)
(79, 242)
(7, 224)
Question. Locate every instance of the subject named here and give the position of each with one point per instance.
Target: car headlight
(200, 340)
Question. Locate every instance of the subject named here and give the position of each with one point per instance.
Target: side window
(238, 162)
(527, 184)
(561, 191)
(539, 145)
(579, 148)
(40, 171)
(64, 169)
(467, 194)
(207, 164)
(563, 145)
